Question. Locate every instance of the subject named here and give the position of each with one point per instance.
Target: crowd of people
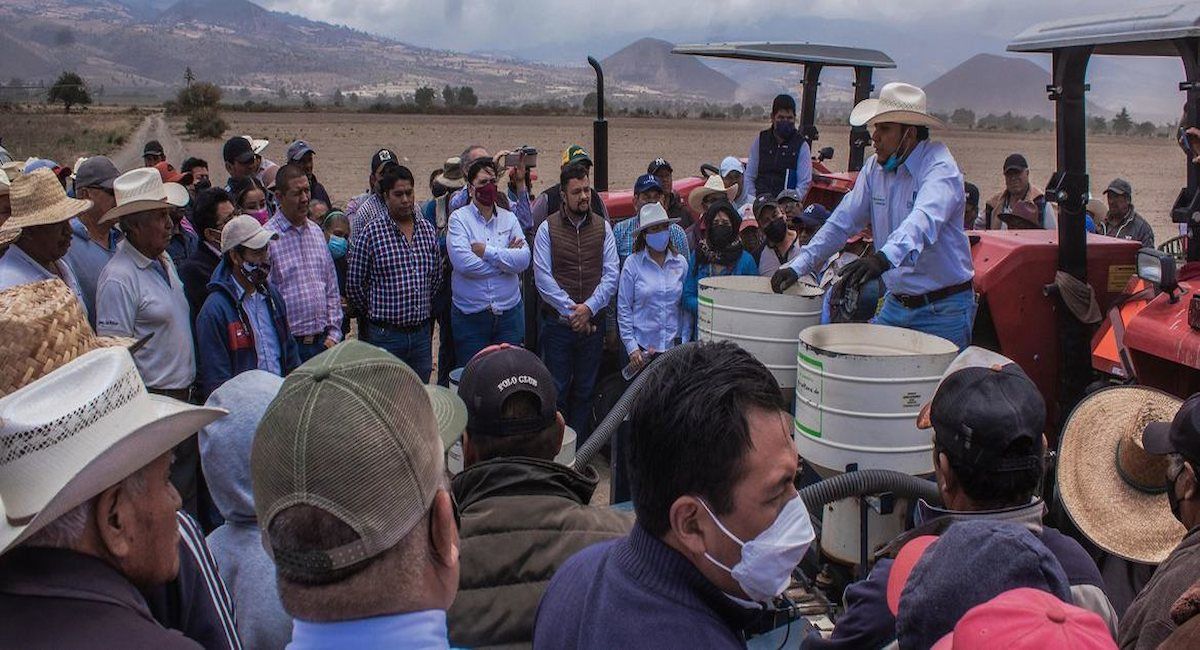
(313, 508)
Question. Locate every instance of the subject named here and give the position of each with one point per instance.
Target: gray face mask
(768, 560)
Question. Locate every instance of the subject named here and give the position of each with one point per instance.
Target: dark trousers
(574, 361)
(447, 359)
(413, 348)
(474, 332)
(310, 350)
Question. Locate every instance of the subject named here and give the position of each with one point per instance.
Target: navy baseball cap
(645, 183)
(238, 149)
(814, 216)
(1179, 436)
(1015, 161)
(659, 164)
(298, 150)
(496, 374)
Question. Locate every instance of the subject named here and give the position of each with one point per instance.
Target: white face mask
(765, 569)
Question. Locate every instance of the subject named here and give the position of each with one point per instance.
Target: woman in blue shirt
(650, 293)
(719, 253)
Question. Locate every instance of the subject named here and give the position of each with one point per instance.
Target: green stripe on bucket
(812, 432)
(807, 360)
(705, 300)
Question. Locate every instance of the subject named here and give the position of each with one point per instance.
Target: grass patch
(64, 138)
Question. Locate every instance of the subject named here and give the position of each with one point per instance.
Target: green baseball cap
(353, 432)
(575, 153)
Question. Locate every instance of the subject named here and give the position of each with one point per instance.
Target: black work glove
(783, 278)
(865, 269)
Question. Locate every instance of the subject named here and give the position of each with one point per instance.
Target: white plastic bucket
(859, 389)
(743, 309)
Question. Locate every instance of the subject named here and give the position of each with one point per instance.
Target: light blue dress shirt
(916, 216)
(17, 267)
(650, 302)
(547, 286)
(493, 281)
(266, 339)
(424, 629)
(87, 259)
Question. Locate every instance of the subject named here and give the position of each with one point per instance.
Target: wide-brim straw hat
(714, 185)
(142, 189)
(38, 199)
(78, 431)
(897, 102)
(42, 327)
(1113, 490)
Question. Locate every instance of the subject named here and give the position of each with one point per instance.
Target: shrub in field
(201, 102)
(206, 123)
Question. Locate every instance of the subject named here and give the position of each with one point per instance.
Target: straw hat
(1113, 489)
(12, 169)
(897, 102)
(43, 328)
(5, 184)
(142, 189)
(714, 185)
(38, 199)
(451, 177)
(78, 431)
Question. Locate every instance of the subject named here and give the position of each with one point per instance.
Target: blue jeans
(573, 360)
(312, 349)
(952, 317)
(474, 332)
(413, 348)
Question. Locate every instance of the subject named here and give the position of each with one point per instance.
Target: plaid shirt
(366, 212)
(624, 235)
(302, 270)
(390, 278)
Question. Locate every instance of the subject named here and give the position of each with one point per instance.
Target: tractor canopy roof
(1147, 31)
(800, 53)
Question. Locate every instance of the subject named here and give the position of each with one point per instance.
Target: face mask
(894, 160)
(721, 235)
(785, 130)
(486, 195)
(338, 247)
(260, 215)
(765, 569)
(256, 274)
(203, 184)
(775, 231)
(658, 240)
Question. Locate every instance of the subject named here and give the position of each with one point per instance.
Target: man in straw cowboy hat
(1148, 620)
(45, 329)
(89, 510)
(911, 194)
(42, 215)
(988, 459)
(360, 524)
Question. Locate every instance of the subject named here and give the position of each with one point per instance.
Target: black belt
(403, 329)
(913, 302)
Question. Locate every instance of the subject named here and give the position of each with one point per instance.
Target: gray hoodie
(244, 565)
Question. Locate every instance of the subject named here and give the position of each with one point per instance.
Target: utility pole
(188, 76)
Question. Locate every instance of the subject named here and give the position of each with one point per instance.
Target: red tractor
(828, 187)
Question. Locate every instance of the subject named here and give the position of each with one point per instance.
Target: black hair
(783, 102)
(204, 211)
(393, 174)
(239, 187)
(192, 163)
(995, 490)
(478, 165)
(735, 217)
(519, 406)
(285, 176)
(690, 434)
(922, 133)
(574, 171)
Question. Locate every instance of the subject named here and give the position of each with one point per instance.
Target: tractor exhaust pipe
(599, 133)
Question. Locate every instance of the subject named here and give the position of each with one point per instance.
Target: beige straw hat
(1113, 489)
(897, 102)
(38, 199)
(43, 328)
(714, 185)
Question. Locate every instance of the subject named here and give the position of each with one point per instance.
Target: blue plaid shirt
(623, 234)
(390, 278)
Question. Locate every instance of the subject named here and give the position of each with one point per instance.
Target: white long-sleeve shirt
(547, 286)
(650, 302)
(492, 281)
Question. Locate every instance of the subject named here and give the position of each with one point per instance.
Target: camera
(513, 159)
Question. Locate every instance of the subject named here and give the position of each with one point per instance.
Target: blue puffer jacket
(224, 337)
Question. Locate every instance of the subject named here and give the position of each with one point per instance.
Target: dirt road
(154, 127)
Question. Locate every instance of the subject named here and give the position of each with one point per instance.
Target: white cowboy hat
(78, 431)
(714, 185)
(651, 214)
(256, 145)
(897, 102)
(142, 189)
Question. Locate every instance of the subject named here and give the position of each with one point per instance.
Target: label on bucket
(809, 384)
(704, 318)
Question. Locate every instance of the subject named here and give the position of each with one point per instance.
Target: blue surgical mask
(785, 130)
(338, 247)
(768, 560)
(658, 240)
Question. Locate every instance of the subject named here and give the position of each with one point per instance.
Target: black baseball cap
(494, 375)
(980, 413)
(383, 157)
(659, 164)
(1015, 161)
(153, 148)
(1179, 436)
(237, 149)
(972, 194)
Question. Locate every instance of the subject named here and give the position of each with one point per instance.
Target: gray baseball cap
(97, 171)
(1120, 186)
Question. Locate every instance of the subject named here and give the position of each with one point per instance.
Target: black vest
(775, 161)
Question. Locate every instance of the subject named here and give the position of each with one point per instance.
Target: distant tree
(466, 97)
(198, 95)
(1098, 124)
(1122, 124)
(449, 96)
(69, 90)
(589, 101)
(188, 77)
(1145, 129)
(338, 98)
(737, 111)
(963, 117)
(424, 97)
(243, 93)
(354, 99)
(282, 93)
